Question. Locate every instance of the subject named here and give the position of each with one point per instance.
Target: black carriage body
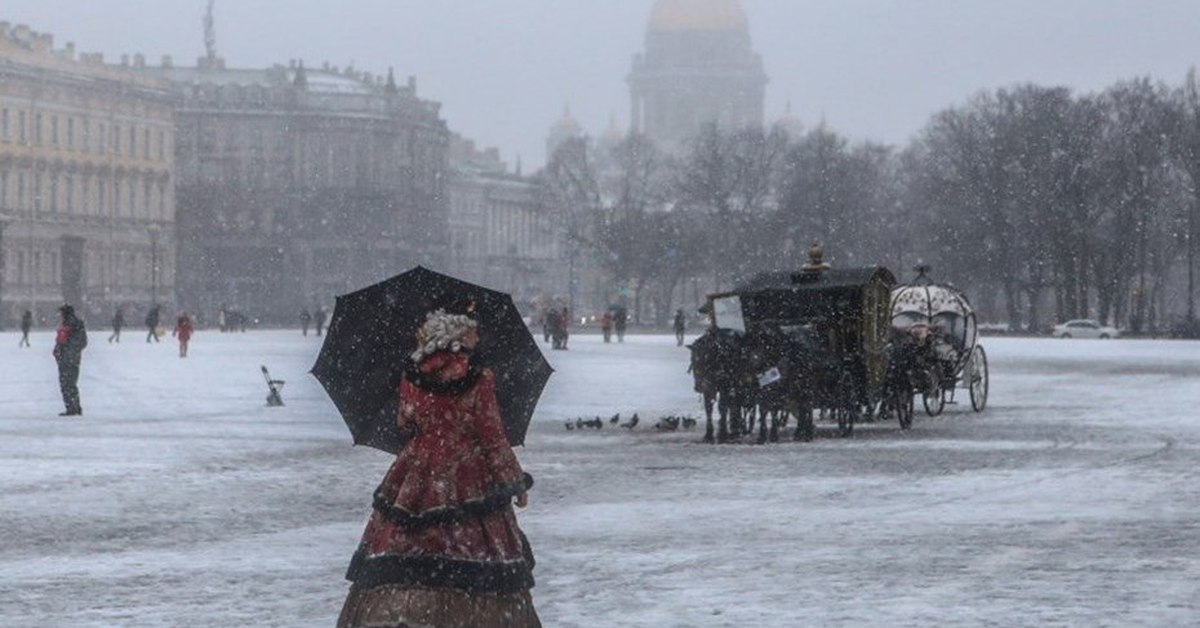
(838, 321)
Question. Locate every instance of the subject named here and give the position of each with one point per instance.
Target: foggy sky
(503, 69)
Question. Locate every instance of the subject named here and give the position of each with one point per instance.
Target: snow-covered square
(180, 499)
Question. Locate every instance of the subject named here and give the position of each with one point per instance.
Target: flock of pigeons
(665, 424)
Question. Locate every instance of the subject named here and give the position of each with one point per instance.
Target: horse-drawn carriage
(843, 343)
(790, 344)
(935, 349)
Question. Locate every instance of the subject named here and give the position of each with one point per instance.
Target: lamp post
(154, 231)
(3, 223)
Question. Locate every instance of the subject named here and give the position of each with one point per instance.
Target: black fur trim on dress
(432, 384)
(496, 499)
(475, 576)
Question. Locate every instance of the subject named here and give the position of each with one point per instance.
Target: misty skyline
(503, 71)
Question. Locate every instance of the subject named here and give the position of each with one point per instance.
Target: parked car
(1084, 328)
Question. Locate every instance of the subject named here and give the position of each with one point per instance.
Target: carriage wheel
(933, 397)
(902, 403)
(979, 379)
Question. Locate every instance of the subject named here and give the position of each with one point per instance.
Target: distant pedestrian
(118, 322)
(620, 322)
(552, 325)
(305, 319)
(549, 322)
(223, 319)
(319, 320)
(183, 331)
(26, 325)
(69, 343)
(564, 327)
(153, 318)
(606, 324)
(680, 327)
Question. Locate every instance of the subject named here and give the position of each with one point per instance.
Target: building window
(162, 145)
(69, 205)
(146, 144)
(54, 130)
(116, 133)
(21, 128)
(133, 141)
(37, 130)
(103, 138)
(53, 193)
(87, 135)
(4, 124)
(37, 192)
(102, 196)
(71, 133)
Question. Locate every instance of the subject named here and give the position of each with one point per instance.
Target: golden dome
(698, 15)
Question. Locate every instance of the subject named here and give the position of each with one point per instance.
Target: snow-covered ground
(179, 499)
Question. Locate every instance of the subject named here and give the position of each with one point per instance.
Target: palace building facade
(87, 196)
(297, 184)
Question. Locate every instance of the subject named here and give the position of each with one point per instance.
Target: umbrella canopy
(373, 332)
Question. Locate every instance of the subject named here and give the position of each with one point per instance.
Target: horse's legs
(777, 416)
(763, 415)
(723, 410)
(708, 416)
(804, 424)
(737, 420)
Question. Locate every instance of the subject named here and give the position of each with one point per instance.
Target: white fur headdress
(442, 332)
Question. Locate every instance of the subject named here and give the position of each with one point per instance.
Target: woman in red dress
(442, 547)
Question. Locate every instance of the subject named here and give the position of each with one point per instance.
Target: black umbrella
(373, 332)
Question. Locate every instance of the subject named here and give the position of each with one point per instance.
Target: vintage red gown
(443, 516)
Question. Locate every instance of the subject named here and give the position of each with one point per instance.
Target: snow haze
(874, 69)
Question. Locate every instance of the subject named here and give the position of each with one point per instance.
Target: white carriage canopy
(939, 307)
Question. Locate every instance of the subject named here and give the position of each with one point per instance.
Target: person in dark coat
(606, 323)
(152, 320)
(26, 325)
(549, 322)
(117, 323)
(69, 344)
(620, 321)
(442, 546)
(552, 328)
(680, 326)
(319, 320)
(305, 319)
(564, 326)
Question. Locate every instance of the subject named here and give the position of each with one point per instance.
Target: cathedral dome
(698, 15)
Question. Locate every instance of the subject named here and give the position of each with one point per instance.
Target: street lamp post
(154, 231)
(3, 222)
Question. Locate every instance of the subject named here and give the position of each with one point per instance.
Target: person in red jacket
(183, 331)
(442, 546)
